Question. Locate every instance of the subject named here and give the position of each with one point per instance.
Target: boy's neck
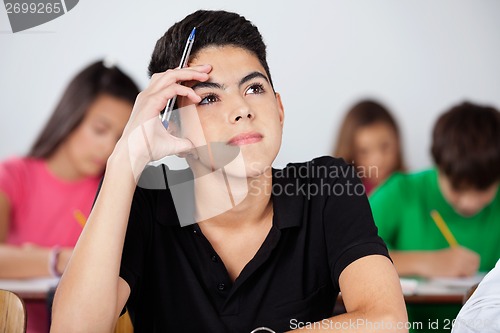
(234, 202)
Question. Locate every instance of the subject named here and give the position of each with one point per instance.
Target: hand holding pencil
(455, 261)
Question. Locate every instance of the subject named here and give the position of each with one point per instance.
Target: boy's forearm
(90, 281)
(356, 321)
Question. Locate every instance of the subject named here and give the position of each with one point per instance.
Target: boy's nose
(240, 117)
(241, 112)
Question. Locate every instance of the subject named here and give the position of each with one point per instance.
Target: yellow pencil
(80, 218)
(444, 228)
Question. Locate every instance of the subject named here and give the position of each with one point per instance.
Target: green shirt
(401, 208)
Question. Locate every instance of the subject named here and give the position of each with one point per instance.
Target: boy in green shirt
(463, 189)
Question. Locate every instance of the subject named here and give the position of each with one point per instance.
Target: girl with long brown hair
(46, 196)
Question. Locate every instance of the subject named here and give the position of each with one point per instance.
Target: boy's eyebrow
(215, 85)
(251, 76)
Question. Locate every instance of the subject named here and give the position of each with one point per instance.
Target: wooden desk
(423, 291)
(439, 290)
(36, 290)
(30, 289)
(432, 292)
(417, 291)
(413, 299)
(435, 299)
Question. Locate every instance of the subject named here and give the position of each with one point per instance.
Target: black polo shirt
(179, 284)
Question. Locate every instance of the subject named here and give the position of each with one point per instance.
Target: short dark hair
(213, 28)
(81, 92)
(466, 145)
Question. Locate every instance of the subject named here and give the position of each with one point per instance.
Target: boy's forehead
(227, 60)
(230, 65)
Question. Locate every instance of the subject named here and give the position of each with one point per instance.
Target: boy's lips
(245, 139)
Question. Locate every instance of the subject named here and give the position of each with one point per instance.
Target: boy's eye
(209, 99)
(256, 88)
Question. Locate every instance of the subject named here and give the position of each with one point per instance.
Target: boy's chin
(467, 213)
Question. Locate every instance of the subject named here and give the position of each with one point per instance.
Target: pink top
(369, 186)
(45, 211)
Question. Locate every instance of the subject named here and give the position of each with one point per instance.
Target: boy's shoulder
(322, 161)
(317, 168)
(20, 166)
(416, 178)
(407, 183)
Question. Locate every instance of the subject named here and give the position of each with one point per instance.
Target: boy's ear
(281, 109)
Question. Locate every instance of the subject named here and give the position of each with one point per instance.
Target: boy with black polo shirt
(250, 256)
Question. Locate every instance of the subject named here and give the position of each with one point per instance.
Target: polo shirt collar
(288, 202)
(288, 205)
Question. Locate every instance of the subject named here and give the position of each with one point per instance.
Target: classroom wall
(417, 56)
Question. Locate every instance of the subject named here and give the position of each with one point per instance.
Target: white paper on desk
(29, 285)
(408, 285)
(459, 282)
(447, 286)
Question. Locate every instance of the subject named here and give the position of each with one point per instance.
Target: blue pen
(165, 115)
